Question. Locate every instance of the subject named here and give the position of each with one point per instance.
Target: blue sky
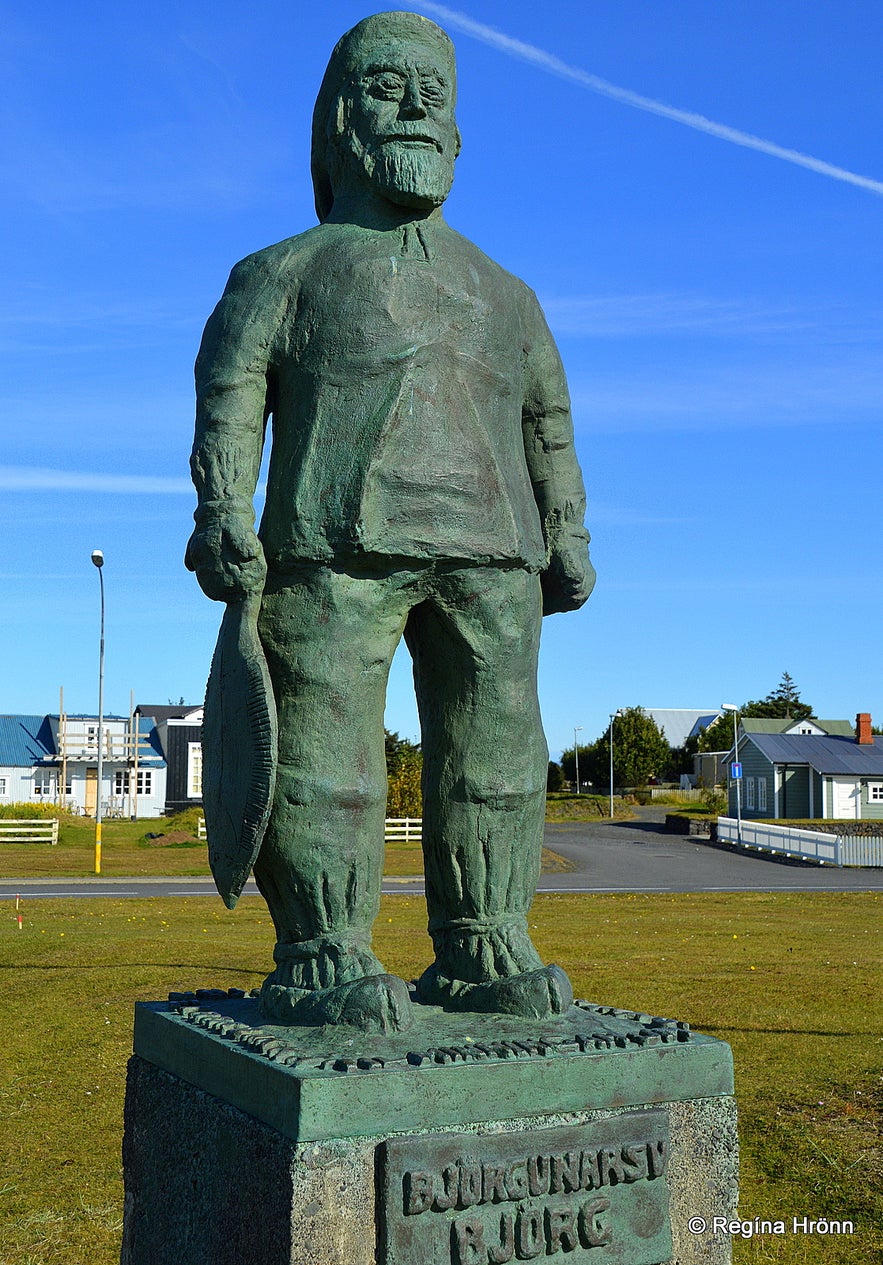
(717, 302)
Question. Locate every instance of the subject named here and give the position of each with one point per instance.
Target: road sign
(736, 770)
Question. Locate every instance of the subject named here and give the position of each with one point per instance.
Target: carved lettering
(470, 1185)
(516, 1180)
(467, 1234)
(447, 1196)
(506, 1250)
(418, 1193)
(538, 1168)
(634, 1162)
(494, 1183)
(610, 1168)
(657, 1157)
(561, 1229)
(594, 1230)
(565, 1172)
(529, 1235)
(590, 1176)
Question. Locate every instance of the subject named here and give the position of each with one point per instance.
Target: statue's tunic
(419, 405)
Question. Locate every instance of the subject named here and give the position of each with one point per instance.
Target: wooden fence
(31, 830)
(398, 829)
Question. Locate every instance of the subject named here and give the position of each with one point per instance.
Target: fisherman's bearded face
(396, 127)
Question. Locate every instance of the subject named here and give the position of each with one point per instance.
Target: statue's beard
(409, 174)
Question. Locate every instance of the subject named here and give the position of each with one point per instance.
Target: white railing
(806, 845)
(31, 830)
(403, 830)
(397, 829)
(676, 795)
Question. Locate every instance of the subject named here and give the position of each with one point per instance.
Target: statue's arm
(554, 471)
(233, 403)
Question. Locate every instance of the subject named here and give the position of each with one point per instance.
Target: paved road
(628, 856)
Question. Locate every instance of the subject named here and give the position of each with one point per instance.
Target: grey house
(179, 729)
(807, 775)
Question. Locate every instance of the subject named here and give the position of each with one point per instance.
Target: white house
(54, 759)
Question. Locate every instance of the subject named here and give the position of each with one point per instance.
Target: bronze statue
(422, 483)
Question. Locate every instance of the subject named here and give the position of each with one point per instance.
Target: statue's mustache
(421, 138)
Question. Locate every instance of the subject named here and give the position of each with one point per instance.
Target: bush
(25, 810)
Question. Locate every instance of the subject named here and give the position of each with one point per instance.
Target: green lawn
(791, 981)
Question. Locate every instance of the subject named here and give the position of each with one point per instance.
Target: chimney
(863, 733)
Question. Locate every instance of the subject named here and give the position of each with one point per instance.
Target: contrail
(554, 65)
(42, 479)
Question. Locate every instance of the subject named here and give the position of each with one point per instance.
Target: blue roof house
(811, 775)
(54, 759)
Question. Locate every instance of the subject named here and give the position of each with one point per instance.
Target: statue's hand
(568, 580)
(228, 559)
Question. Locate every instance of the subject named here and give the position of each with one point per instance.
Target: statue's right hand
(228, 560)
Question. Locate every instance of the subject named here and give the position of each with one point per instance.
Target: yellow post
(98, 847)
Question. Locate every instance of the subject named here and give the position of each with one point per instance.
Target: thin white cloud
(43, 479)
(628, 315)
(554, 65)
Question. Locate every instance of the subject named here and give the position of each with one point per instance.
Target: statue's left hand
(568, 580)
(228, 559)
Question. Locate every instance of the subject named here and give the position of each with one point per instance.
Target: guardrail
(805, 845)
(397, 829)
(29, 830)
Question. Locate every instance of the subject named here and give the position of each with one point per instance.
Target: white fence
(676, 795)
(398, 829)
(806, 845)
(33, 830)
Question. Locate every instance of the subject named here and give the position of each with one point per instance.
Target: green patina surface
(447, 1070)
(422, 484)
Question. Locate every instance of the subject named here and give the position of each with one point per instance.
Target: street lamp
(732, 707)
(613, 716)
(577, 729)
(98, 561)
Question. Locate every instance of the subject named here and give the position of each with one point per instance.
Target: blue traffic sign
(736, 770)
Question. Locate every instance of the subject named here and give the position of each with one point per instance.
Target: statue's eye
(387, 85)
(432, 90)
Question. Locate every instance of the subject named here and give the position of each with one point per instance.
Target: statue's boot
(537, 994)
(325, 982)
(375, 1003)
(492, 965)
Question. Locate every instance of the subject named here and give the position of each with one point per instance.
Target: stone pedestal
(469, 1140)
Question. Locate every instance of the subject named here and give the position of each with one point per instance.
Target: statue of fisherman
(422, 483)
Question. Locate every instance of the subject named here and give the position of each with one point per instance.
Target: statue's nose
(412, 106)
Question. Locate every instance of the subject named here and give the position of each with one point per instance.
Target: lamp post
(577, 729)
(613, 716)
(98, 561)
(732, 707)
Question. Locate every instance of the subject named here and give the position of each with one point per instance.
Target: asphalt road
(627, 856)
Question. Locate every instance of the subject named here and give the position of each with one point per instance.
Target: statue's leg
(475, 646)
(329, 639)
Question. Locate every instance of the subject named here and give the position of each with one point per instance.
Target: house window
(144, 782)
(761, 794)
(3, 790)
(749, 792)
(43, 785)
(807, 729)
(194, 770)
(875, 792)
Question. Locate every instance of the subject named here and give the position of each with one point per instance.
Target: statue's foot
(375, 1003)
(537, 994)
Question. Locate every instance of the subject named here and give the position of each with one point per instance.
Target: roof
(25, 740)
(778, 725)
(680, 723)
(826, 754)
(163, 712)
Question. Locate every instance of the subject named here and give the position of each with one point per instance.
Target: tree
(555, 777)
(782, 703)
(404, 769)
(640, 751)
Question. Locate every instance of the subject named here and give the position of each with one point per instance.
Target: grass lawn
(791, 981)
(127, 853)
